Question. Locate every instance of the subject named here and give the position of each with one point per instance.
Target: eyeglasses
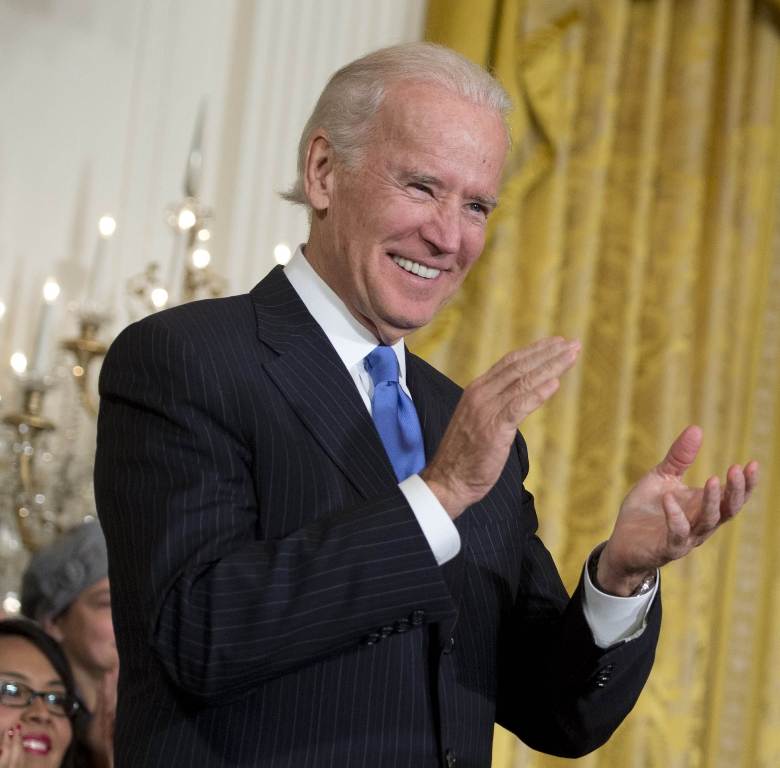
(14, 694)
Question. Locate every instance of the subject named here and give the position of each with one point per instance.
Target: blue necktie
(394, 414)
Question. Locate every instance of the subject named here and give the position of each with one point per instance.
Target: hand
(476, 445)
(662, 519)
(11, 750)
(100, 732)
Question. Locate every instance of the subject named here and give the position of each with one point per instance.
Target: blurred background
(142, 147)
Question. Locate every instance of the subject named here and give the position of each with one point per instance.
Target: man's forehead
(414, 109)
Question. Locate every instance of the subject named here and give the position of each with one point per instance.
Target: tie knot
(382, 365)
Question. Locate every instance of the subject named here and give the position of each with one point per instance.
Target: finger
(5, 746)
(734, 493)
(709, 515)
(529, 383)
(677, 525)
(517, 409)
(11, 748)
(751, 477)
(533, 352)
(682, 452)
(17, 748)
(520, 363)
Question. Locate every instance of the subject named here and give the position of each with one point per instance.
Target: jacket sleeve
(192, 576)
(557, 690)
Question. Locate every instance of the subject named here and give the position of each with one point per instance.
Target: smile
(416, 268)
(39, 744)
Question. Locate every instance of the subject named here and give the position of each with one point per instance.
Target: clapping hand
(475, 446)
(662, 519)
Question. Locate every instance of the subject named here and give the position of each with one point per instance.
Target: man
(336, 563)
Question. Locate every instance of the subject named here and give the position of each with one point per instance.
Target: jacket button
(417, 617)
(449, 645)
(449, 757)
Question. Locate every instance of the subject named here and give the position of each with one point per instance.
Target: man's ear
(318, 172)
(51, 627)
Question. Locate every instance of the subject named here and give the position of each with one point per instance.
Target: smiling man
(321, 549)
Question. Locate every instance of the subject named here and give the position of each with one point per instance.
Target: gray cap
(59, 573)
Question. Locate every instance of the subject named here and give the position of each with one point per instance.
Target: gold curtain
(641, 213)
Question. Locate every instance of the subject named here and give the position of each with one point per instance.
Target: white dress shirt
(611, 619)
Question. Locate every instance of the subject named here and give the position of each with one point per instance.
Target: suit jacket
(274, 598)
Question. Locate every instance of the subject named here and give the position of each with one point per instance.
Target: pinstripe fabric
(275, 601)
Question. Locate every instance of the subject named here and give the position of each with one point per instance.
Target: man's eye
(478, 208)
(421, 187)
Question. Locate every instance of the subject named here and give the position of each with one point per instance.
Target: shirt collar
(351, 340)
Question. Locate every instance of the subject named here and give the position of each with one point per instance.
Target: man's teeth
(415, 268)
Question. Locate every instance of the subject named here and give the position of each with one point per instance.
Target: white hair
(353, 96)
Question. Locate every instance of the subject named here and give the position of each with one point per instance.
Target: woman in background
(37, 700)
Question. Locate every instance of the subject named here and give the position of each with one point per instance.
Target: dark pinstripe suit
(275, 601)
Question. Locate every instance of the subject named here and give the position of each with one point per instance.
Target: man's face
(86, 631)
(399, 232)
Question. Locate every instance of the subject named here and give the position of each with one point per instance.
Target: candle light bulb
(159, 297)
(282, 253)
(107, 226)
(19, 362)
(200, 258)
(204, 235)
(186, 219)
(11, 604)
(51, 291)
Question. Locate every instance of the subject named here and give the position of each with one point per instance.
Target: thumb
(682, 452)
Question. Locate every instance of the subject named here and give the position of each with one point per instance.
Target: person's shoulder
(197, 320)
(193, 329)
(228, 311)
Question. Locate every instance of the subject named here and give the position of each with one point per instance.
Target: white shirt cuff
(437, 526)
(615, 619)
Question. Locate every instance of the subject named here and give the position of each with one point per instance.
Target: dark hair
(50, 648)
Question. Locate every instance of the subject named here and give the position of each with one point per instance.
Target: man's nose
(443, 229)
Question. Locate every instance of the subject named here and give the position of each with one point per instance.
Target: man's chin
(393, 327)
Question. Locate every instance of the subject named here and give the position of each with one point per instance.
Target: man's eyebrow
(489, 202)
(422, 178)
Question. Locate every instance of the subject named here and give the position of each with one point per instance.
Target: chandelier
(46, 461)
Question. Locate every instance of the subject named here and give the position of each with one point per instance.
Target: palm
(662, 519)
(642, 527)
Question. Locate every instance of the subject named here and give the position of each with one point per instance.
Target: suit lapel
(314, 381)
